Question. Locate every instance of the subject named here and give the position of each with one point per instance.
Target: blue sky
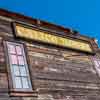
(82, 15)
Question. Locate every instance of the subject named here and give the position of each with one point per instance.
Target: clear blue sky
(83, 15)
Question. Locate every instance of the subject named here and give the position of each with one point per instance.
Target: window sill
(23, 93)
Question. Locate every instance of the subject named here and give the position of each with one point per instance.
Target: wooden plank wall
(62, 71)
(56, 73)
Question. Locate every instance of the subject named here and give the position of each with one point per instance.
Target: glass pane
(13, 59)
(21, 60)
(11, 49)
(18, 82)
(15, 70)
(23, 71)
(96, 63)
(25, 82)
(99, 62)
(19, 50)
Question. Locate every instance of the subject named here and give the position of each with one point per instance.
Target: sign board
(37, 35)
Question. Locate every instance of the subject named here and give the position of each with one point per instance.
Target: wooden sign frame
(57, 40)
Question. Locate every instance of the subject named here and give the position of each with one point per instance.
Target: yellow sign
(49, 38)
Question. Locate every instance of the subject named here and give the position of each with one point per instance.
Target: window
(18, 66)
(97, 65)
(97, 62)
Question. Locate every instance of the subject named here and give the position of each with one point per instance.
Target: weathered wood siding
(57, 74)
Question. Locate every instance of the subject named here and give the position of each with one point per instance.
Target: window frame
(9, 73)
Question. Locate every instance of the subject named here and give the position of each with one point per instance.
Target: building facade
(43, 61)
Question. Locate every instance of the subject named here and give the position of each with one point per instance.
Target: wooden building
(43, 61)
